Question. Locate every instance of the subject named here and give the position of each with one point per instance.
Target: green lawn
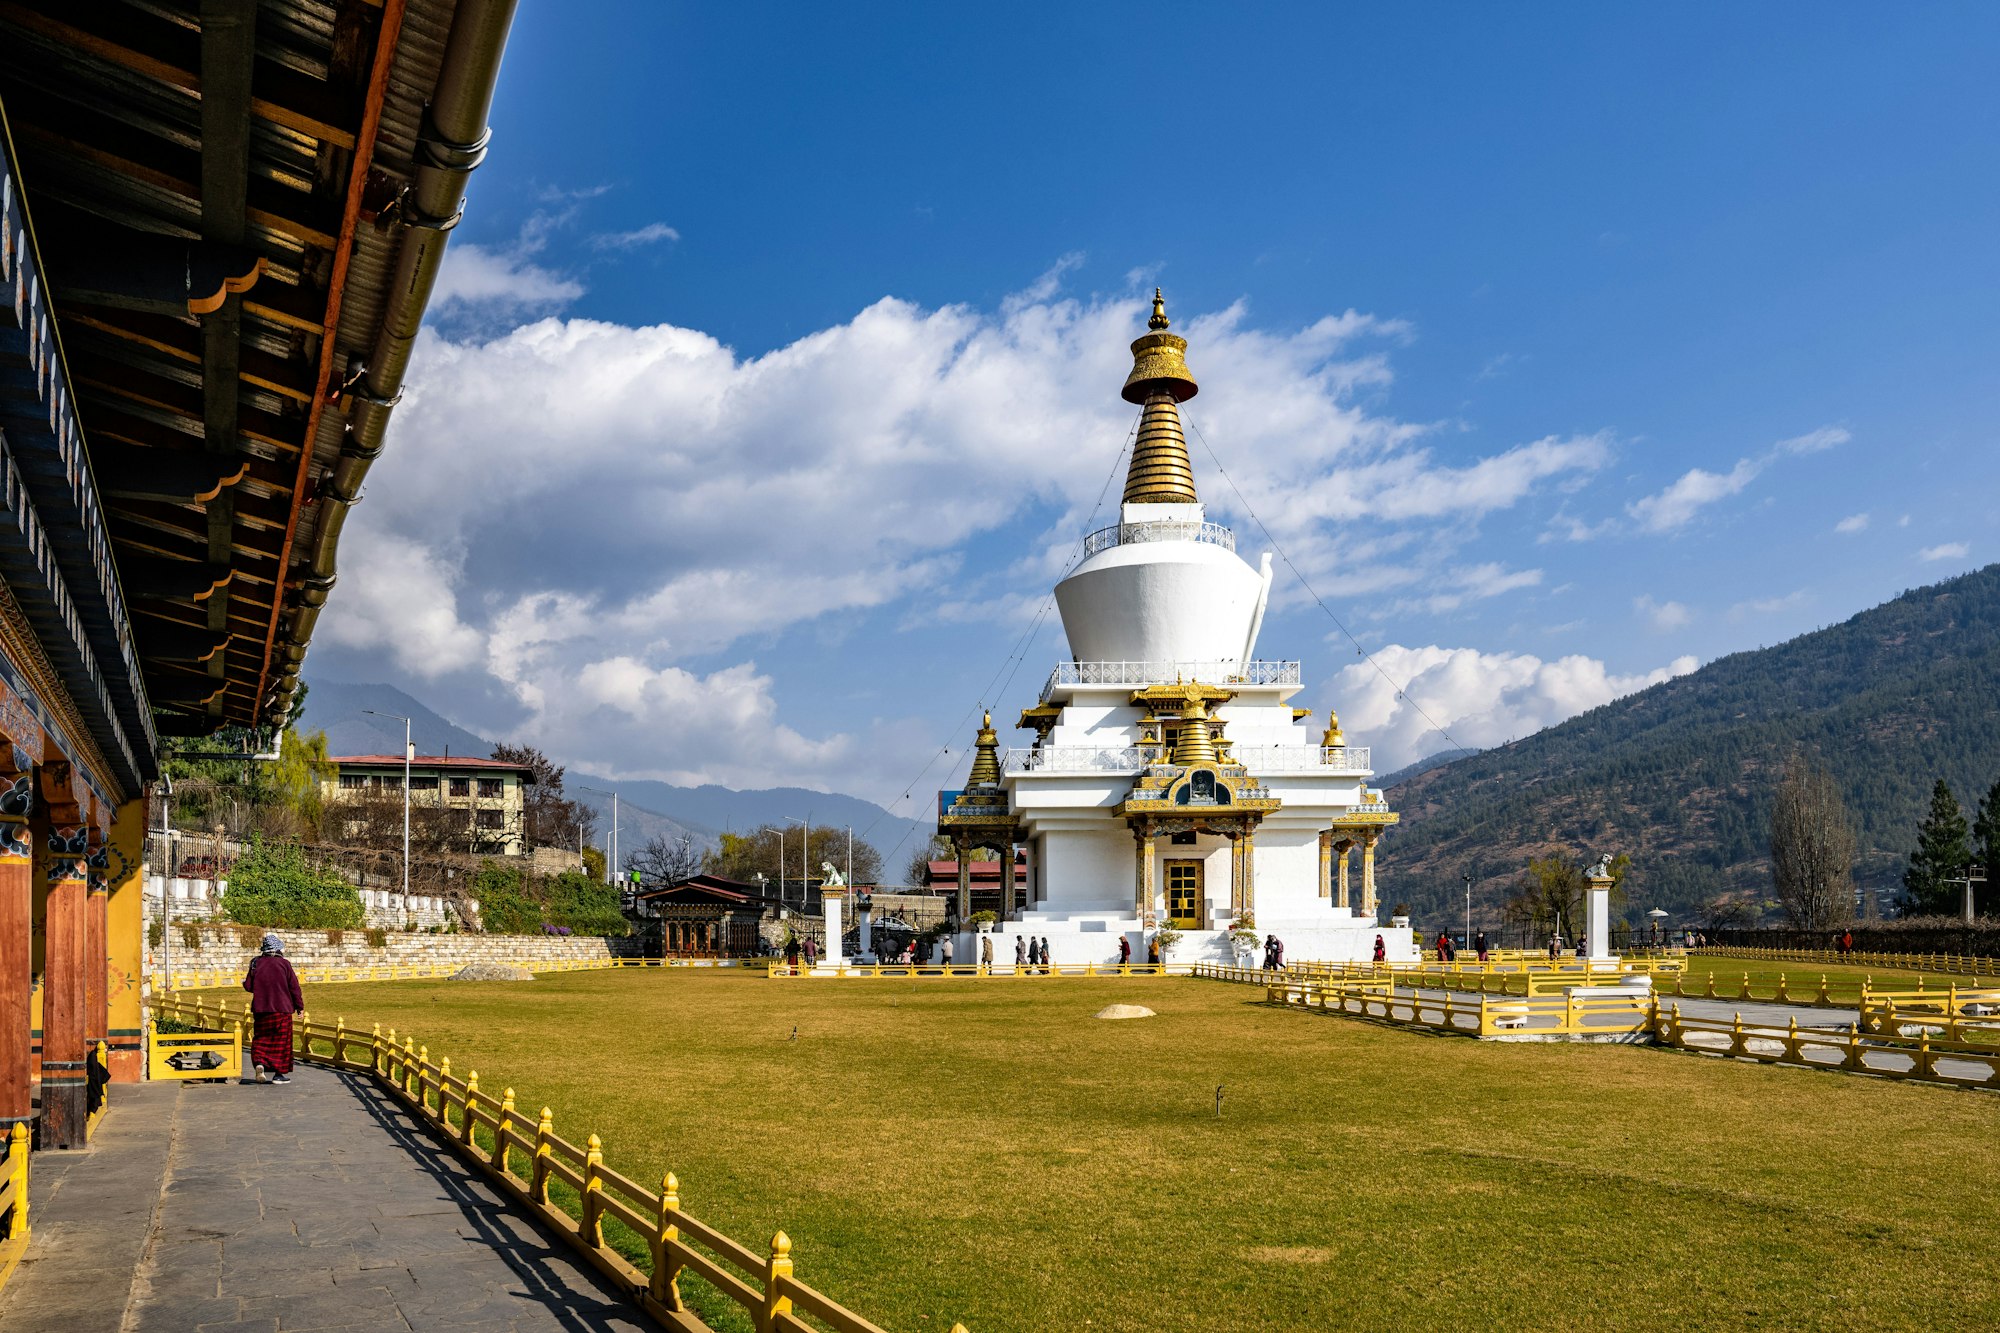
(988, 1152)
(1802, 979)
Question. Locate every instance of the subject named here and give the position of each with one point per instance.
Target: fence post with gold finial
(15, 1165)
(776, 1273)
(538, 1183)
(501, 1148)
(666, 1283)
(593, 1192)
(468, 1120)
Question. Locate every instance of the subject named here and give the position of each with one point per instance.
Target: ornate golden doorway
(1184, 896)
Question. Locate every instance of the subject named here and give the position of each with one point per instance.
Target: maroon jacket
(273, 986)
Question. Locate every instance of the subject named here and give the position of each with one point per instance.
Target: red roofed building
(942, 877)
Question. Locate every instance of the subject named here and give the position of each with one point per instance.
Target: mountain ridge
(1681, 774)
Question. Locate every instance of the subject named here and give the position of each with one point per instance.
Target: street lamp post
(610, 837)
(409, 753)
(1468, 910)
(805, 861)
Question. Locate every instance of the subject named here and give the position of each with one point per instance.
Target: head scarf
(272, 944)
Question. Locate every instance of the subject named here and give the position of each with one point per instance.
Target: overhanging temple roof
(224, 219)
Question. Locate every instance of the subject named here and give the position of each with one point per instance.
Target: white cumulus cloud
(1945, 551)
(590, 532)
(1851, 524)
(1466, 697)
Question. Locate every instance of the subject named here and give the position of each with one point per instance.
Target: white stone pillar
(866, 917)
(1597, 919)
(830, 900)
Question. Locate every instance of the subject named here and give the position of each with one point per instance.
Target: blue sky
(776, 363)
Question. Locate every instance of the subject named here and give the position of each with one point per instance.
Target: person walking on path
(1847, 942)
(1479, 943)
(1277, 954)
(1270, 952)
(274, 997)
(1020, 952)
(1045, 953)
(986, 950)
(944, 950)
(812, 951)
(1124, 950)
(1381, 951)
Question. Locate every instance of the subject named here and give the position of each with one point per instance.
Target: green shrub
(505, 907)
(378, 938)
(587, 906)
(274, 884)
(514, 903)
(156, 931)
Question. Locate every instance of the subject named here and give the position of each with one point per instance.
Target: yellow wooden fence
(523, 1156)
(1941, 963)
(781, 970)
(13, 1200)
(1577, 1013)
(1919, 1059)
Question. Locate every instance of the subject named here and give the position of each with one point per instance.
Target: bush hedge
(512, 902)
(276, 884)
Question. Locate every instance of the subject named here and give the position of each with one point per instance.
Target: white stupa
(1171, 784)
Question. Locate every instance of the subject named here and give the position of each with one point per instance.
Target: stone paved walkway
(314, 1206)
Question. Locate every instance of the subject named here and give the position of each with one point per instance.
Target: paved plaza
(320, 1205)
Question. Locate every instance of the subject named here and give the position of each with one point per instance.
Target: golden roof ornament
(985, 756)
(1333, 735)
(1194, 745)
(1161, 472)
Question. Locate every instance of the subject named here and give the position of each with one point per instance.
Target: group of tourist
(1031, 952)
(1274, 954)
(1843, 943)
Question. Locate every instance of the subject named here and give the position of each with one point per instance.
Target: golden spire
(1194, 745)
(1160, 471)
(985, 756)
(1333, 735)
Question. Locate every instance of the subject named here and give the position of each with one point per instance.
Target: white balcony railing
(1162, 530)
(1304, 758)
(1073, 759)
(1259, 759)
(1230, 672)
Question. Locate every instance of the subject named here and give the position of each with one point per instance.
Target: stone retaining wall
(222, 950)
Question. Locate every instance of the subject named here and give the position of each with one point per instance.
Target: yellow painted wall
(125, 940)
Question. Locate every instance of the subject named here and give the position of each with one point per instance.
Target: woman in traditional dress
(274, 997)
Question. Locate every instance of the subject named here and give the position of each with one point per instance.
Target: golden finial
(1159, 319)
(1333, 736)
(985, 756)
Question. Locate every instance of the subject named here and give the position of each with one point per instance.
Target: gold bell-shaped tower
(1160, 471)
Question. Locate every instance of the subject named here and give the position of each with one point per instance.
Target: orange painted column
(65, 1013)
(97, 958)
(17, 928)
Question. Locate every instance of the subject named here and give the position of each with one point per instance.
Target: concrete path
(319, 1205)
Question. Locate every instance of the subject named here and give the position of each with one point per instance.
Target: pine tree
(1986, 843)
(1943, 851)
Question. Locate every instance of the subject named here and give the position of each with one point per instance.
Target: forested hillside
(1682, 775)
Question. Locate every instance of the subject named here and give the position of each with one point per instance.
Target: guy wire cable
(1021, 645)
(1401, 693)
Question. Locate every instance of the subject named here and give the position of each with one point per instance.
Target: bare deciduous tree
(664, 860)
(1812, 847)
